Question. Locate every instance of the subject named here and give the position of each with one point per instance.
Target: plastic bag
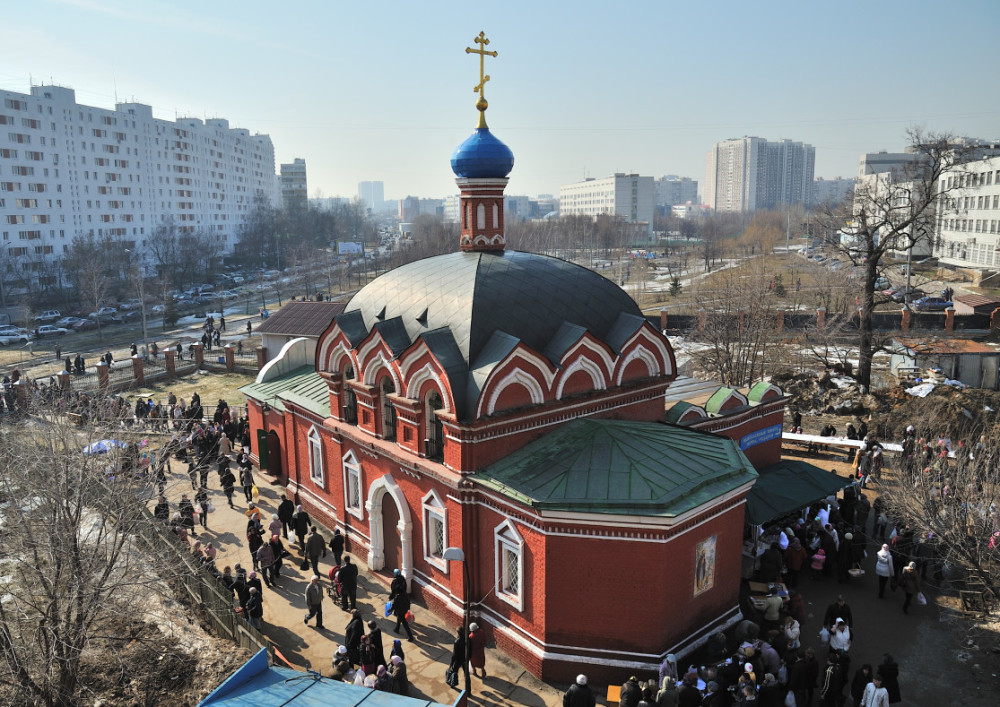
(824, 636)
(388, 609)
(921, 599)
(255, 492)
(451, 677)
(409, 617)
(211, 507)
(790, 699)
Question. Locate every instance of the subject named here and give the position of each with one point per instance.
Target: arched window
(435, 530)
(496, 216)
(386, 388)
(352, 485)
(433, 430)
(481, 217)
(350, 399)
(315, 457)
(509, 564)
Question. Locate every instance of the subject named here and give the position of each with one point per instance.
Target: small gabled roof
(567, 335)
(621, 467)
(945, 346)
(680, 409)
(301, 319)
(303, 387)
(718, 399)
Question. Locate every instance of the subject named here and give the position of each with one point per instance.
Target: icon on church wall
(704, 565)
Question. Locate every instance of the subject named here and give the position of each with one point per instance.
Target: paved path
(308, 647)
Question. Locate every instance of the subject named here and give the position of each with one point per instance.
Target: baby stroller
(334, 590)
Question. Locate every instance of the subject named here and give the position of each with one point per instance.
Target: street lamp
(456, 554)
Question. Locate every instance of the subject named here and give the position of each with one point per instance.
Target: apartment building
(628, 195)
(294, 188)
(751, 173)
(967, 232)
(68, 168)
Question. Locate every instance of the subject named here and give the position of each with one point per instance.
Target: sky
(384, 90)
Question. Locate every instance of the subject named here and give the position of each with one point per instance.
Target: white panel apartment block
(67, 168)
(968, 216)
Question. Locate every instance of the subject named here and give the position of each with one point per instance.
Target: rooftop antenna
(114, 84)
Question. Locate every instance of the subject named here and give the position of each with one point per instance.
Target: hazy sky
(383, 90)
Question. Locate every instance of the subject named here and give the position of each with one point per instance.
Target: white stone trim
(351, 467)
(507, 539)
(376, 551)
(427, 373)
(314, 443)
(432, 505)
(597, 376)
(516, 377)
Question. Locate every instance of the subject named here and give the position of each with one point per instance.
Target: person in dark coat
(336, 546)
(375, 636)
(889, 671)
(688, 694)
(187, 514)
(400, 682)
(348, 578)
(162, 510)
(352, 638)
(255, 608)
(578, 694)
(286, 511)
(832, 683)
(631, 693)
(458, 653)
(861, 679)
(302, 523)
(770, 564)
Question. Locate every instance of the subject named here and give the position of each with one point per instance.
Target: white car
(50, 330)
(8, 337)
(68, 322)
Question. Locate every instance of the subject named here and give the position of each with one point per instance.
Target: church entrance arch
(391, 543)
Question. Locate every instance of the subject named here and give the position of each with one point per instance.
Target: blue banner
(760, 436)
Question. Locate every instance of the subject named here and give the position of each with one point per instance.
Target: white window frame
(352, 472)
(315, 445)
(507, 539)
(434, 511)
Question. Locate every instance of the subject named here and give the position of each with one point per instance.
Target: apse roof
(621, 467)
(301, 318)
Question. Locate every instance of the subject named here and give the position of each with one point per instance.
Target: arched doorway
(385, 498)
(392, 546)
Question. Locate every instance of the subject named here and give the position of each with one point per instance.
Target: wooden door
(390, 536)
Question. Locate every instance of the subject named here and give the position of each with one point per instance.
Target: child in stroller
(333, 591)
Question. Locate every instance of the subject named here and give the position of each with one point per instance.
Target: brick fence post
(821, 318)
(261, 357)
(168, 360)
(138, 375)
(701, 320)
(199, 354)
(995, 319)
(905, 323)
(22, 394)
(663, 319)
(102, 376)
(780, 322)
(949, 319)
(64, 381)
(230, 358)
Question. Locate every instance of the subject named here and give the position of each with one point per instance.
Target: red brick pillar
(821, 318)
(663, 319)
(168, 360)
(230, 358)
(949, 319)
(995, 319)
(64, 381)
(102, 376)
(701, 320)
(199, 353)
(905, 323)
(138, 376)
(780, 322)
(261, 357)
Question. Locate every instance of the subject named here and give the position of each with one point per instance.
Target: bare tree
(890, 213)
(72, 569)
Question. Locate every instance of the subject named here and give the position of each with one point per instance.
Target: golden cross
(482, 41)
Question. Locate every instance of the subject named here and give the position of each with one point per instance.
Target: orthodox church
(511, 405)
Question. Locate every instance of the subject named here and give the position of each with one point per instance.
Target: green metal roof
(614, 466)
(676, 412)
(303, 387)
(788, 486)
(714, 403)
(758, 390)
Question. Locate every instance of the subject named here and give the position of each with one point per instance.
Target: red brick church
(512, 405)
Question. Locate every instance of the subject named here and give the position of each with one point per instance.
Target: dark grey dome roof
(527, 296)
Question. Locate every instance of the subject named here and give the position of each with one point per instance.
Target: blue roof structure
(482, 156)
(256, 684)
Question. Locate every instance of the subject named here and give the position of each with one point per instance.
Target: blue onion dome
(482, 156)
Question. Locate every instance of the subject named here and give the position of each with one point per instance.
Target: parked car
(103, 312)
(13, 335)
(883, 284)
(931, 304)
(50, 330)
(901, 293)
(85, 325)
(68, 322)
(131, 304)
(133, 316)
(48, 316)
(157, 309)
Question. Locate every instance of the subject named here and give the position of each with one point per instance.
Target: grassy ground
(209, 385)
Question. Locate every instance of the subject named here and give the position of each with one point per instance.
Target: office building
(372, 195)
(294, 189)
(752, 173)
(627, 195)
(68, 169)
(671, 190)
(967, 229)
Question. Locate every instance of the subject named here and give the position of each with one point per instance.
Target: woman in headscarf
(477, 649)
(400, 683)
(884, 569)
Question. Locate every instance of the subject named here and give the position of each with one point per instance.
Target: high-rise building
(671, 190)
(626, 195)
(68, 169)
(752, 173)
(294, 190)
(372, 195)
(832, 191)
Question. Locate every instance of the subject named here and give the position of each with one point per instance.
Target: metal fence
(201, 586)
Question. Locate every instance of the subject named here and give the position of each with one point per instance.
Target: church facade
(512, 405)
